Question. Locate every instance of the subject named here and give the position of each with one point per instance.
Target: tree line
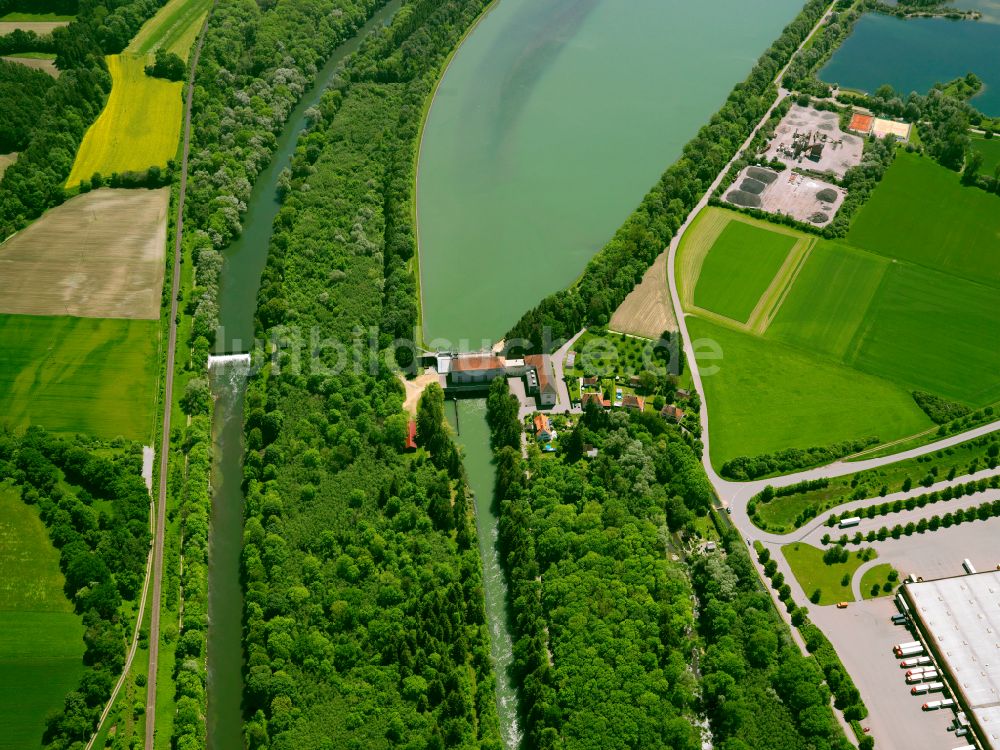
(96, 511)
(620, 265)
(608, 648)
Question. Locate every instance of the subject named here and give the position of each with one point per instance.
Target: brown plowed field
(647, 310)
(99, 255)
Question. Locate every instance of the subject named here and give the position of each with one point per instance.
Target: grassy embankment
(906, 303)
(41, 652)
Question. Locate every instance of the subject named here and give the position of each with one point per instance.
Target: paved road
(168, 399)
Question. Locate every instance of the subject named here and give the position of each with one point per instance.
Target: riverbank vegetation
(620, 265)
(92, 500)
(363, 610)
(586, 544)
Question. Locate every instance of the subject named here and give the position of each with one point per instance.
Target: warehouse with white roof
(959, 620)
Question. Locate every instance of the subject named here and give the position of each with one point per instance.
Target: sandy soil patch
(415, 388)
(6, 160)
(647, 310)
(810, 139)
(99, 255)
(46, 66)
(39, 27)
(790, 193)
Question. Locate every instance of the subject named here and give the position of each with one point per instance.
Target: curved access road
(168, 398)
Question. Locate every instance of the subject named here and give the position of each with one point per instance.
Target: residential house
(543, 428)
(671, 412)
(631, 401)
(543, 382)
(411, 436)
(592, 382)
(596, 398)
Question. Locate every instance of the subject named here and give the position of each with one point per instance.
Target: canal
(244, 262)
(552, 121)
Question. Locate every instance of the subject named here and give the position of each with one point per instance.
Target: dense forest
(364, 611)
(616, 269)
(95, 505)
(23, 91)
(610, 651)
(70, 104)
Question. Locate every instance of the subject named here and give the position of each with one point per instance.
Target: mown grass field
(175, 28)
(935, 332)
(96, 376)
(814, 315)
(41, 17)
(812, 573)
(857, 328)
(921, 213)
(767, 396)
(138, 128)
(739, 268)
(41, 651)
(990, 149)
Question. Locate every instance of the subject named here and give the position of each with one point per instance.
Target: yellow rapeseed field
(139, 128)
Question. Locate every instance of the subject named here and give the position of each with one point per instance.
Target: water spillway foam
(226, 359)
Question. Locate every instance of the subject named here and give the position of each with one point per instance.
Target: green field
(91, 375)
(41, 651)
(174, 28)
(935, 332)
(920, 212)
(990, 149)
(815, 315)
(739, 268)
(812, 573)
(767, 396)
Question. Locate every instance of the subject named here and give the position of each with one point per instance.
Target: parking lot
(864, 635)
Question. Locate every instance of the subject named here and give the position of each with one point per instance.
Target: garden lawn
(877, 575)
(139, 127)
(812, 573)
(990, 149)
(767, 396)
(829, 299)
(90, 375)
(922, 213)
(739, 268)
(935, 332)
(41, 651)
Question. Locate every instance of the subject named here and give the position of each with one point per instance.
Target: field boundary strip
(708, 227)
(776, 294)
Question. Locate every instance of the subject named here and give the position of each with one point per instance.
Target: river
(915, 53)
(552, 121)
(244, 262)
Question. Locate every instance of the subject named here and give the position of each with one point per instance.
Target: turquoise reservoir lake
(552, 121)
(914, 54)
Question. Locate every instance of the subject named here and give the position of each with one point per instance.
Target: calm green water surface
(244, 262)
(553, 120)
(914, 54)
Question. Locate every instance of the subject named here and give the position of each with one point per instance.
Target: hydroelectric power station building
(959, 621)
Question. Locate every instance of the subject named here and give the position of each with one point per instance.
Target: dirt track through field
(6, 160)
(99, 255)
(39, 27)
(46, 66)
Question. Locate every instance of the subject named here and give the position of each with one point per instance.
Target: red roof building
(669, 411)
(543, 429)
(631, 401)
(596, 398)
(411, 436)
